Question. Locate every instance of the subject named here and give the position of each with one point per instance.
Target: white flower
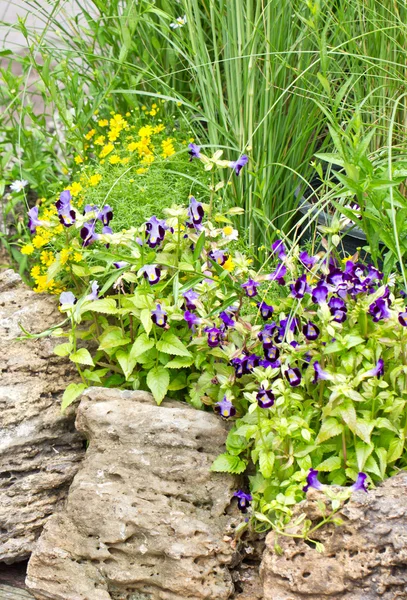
(18, 185)
(228, 233)
(180, 22)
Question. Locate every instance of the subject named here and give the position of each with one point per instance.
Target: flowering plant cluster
(306, 353)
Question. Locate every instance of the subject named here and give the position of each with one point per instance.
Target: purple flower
(403, 318)
(238, 164)
(152, 273)
(319, 293)
(191, 319)
(360, 483)
(214, 336)
(271, 353)
(252, 361)
(33, 221)
(240, 366)
(189, 297)
(379, 309)
(193, 151)
(293, 376)
(378, 370)
(265, 398)
(307, 260)
(338, 309)
(91, 208)
(225, 408)
(155, 231)
(266, 310)
(320, 374)
(279, 249)
(278, 274)
(243, 500)
(311, 331)
(94, 293)
(195, 211)
(266, 335)
(250, 287)
(217, 256)
(373, 274)
(120, 264)
(88, 233)
(228, 321)
(300, 287)
(105, 215)
(268, 363)
(66, 214)
(67, 298)
(159, 316)
(312, 481)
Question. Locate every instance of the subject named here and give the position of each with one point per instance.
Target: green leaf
(126, 362)
(199, 245)
(106, 306)
(329, 428)
(112, 337)
(363, 451)
(225, 463)
(142, 344)
(348, 414)
(179, 363)
(145, 318)
(171, 344)
(363, 430)
(266, 463)
(353, 340)
(63, 349)
(179, 382)
(82, 356)
(396, 447)
(72, 392)
(330, 464)
(158, 380)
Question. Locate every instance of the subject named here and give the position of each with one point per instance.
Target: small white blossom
(228, 233)
(18, 185)
(180, 22)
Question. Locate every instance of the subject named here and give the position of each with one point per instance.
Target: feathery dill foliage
(261, 77)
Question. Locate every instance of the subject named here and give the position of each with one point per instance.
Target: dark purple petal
(159, 316)
(319, 293)
(279, 249)
(238, 164)
(225, 408)
(191, 319)
(271, 353)
(88, 233)
(379, 309)
(214, 336)
(155, 231)
(250, 287)
(152, 273)
(293, 376)
(105, 215)
(311, 331)
(190, 296)
(320, 374)
(195, 211)
(193, 151)
(265, 398)
(266, 335)
(226, 319)
(66, 214)
(300, 287)
(243, 500)
(312, 481)
(217, 256)
(278, 274)
(378, 370)
(360, 483)
(307, 260)
(266, 310)
(403, 318)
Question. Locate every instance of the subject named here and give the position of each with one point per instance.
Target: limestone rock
(364, 559)
(145, 518)
(39, 448)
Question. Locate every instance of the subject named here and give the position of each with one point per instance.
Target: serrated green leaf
(145, 318)
(106, 306)
(126, 362)
(63, 349)
(363, 430)
(158, 380)
(329, 428)
(72, 392)
(226, 463)
(112, 337)
(179, 382)
(266, 463)
(363, 451)
(171, 344)
(348, 414)
(330, 464)
(142, 344)
(82, 356)
(179, 363)
(395, 450)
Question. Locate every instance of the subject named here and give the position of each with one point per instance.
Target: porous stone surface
(364, 559)
(40, 450)
(145, 518)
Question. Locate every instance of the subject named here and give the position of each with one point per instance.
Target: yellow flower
(132, 147)
(229, 265)
(168, 147)
(59, 228)
(100, 140)
(140, 171)
(152, 112)
(145, 131)
(78, 159)
(77, 257)
(147, 160)
(159, 128)
(117, 122)
(106, 150)
(103, 123)
(27, 249)
(95, 179)
(64, 255)
(38, 241)
(35, 271)
(191, 140)
(144, 107)
(90, 134)
(154, 105)
(75, 188)
(114, 159)
(47, 258)
(113, 135)
(125, 161)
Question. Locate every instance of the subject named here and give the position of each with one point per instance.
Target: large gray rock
(40, 450)
(145, 518)
(364, 559)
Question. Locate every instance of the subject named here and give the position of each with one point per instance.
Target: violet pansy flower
(159, 316)
(278, 275)
(217, 256)
(250, 287)
(293, 376)
(379, 309)
(238, 164)
(214, 336)
(66, 214)
(311, 331)
(307, 260)
(319, 373)
(191, 319)
(266, 310)
(319, 293)
(265, 398)
(190, 296)
(312, 481)
(105, 214)
(271, 353)
(243, 500)
(33, 221)
(266, 335)
(360, 483)
(94, 291)
(67, 299)
(378, 370)
(279, 249)
(155, 231)
(300, 287)
(225, 408)
(195, 211)
(227, 320)
(152, 273)
(88, 233)
(194, 151)
(120, 264)
(402, 317)
(338, 309)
